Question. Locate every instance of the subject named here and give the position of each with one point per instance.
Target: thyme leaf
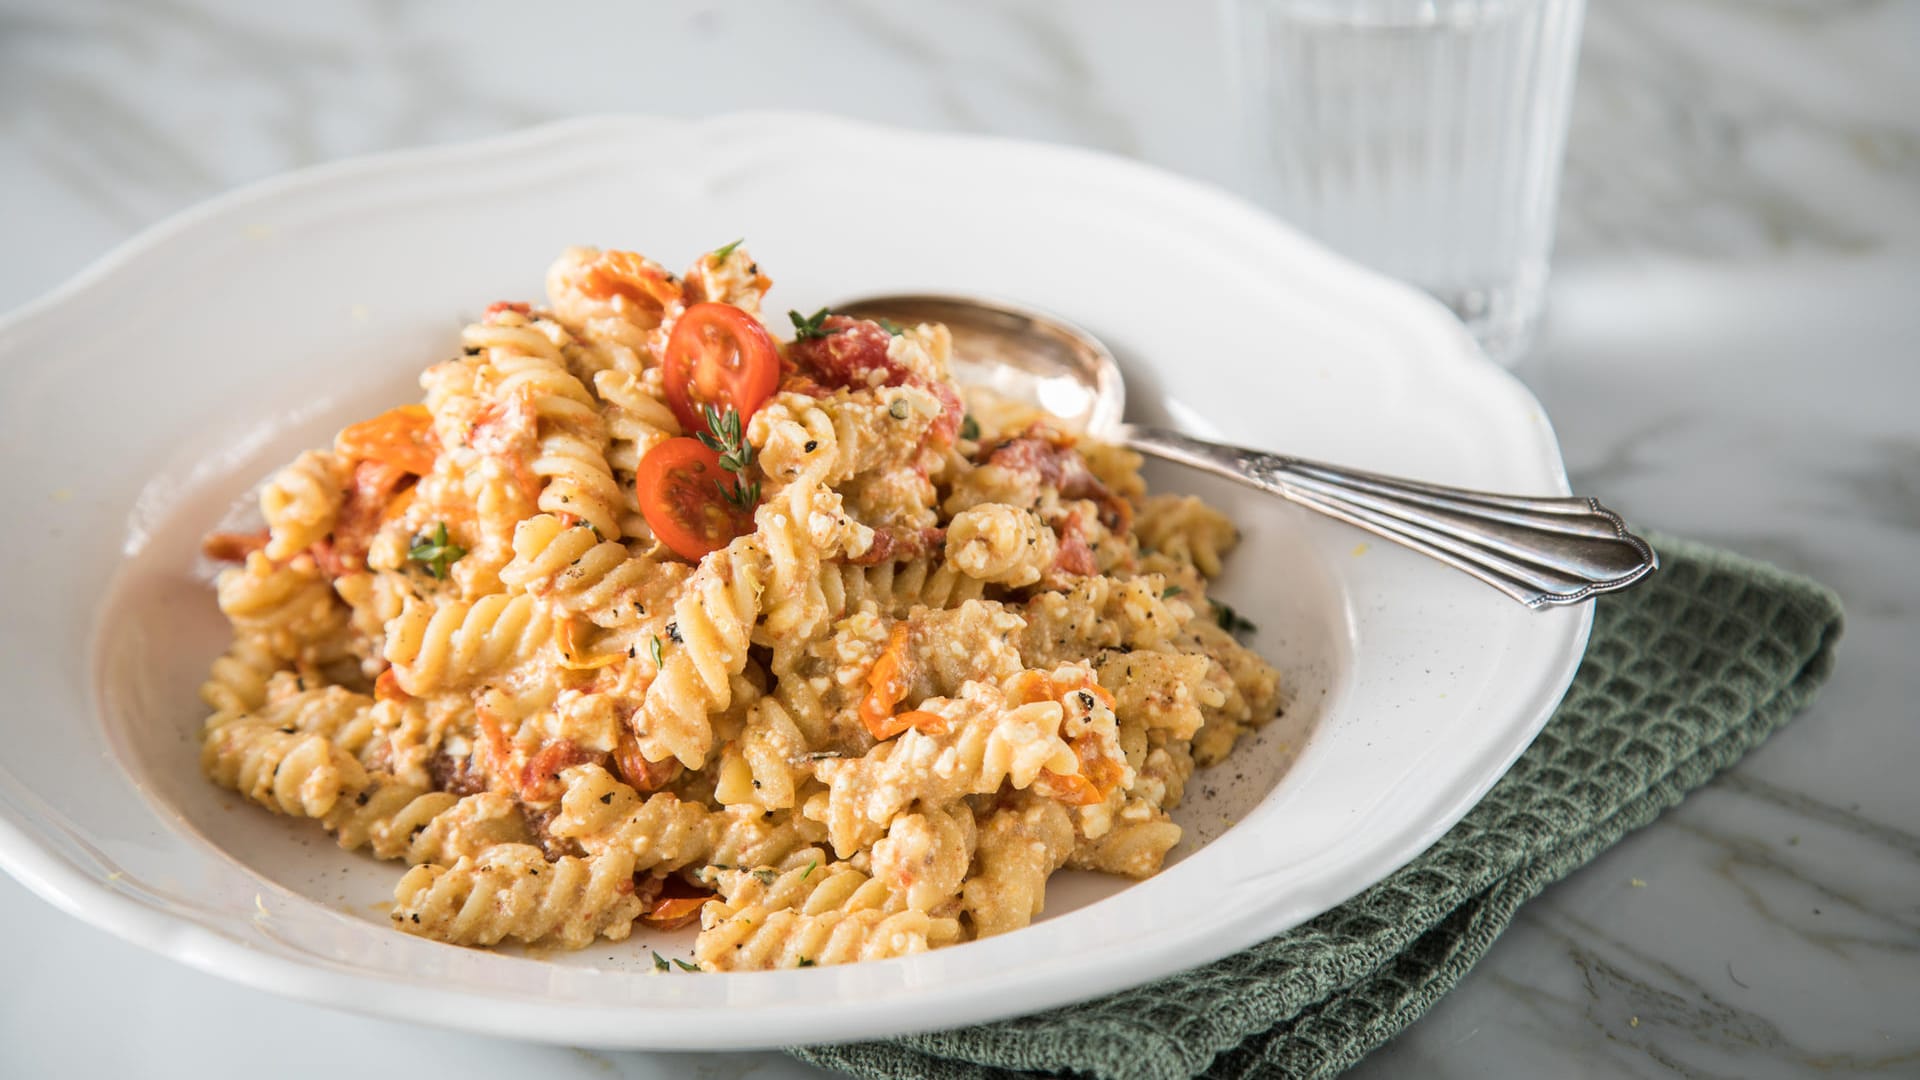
(435, 551)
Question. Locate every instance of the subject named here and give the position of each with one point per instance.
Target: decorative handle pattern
(1540, 551)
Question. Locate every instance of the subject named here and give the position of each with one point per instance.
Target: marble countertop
(1730, 354)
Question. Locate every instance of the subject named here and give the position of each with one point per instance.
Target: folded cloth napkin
(1684, 674)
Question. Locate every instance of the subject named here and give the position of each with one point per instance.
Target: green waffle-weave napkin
(1685, 673)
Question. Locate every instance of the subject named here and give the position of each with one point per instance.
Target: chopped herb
(684, 966)
(720, 253)
(653, 650)
(434, 551)
(1170, 592)
(808, 327)
(824, 755)
(969, 427)
(1232, 621)
(899, 409)
(805, 961)
(766, 875)
(811, 867)
(660, 963)
(891, 327)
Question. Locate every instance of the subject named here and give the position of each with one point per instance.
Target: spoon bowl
(1020, 353)
(1540, 550)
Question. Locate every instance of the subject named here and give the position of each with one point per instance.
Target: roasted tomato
(401, 437)
(682, 495)
(721, 356)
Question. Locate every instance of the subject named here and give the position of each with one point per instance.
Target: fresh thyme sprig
(807, 327)
(723, 437)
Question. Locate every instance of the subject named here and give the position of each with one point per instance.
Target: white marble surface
(1730, 355)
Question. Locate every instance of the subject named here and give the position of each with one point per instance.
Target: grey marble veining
(1731, 354)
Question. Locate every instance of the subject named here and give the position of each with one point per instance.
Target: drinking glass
(1421, 137)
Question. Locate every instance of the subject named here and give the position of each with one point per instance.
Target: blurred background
(1728, 353)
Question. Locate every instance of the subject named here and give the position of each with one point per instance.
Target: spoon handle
(1540, 551)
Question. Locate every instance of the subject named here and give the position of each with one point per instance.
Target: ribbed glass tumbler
(1421, 137)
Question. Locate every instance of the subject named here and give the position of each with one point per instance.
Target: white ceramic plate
(141, 401)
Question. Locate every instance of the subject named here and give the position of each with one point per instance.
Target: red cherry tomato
(721, 356)
(678, 483)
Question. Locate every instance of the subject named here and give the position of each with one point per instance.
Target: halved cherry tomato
(674, 912)
(676, 904)
(887, 686)
(633, 766)
(1072, 788)
(401, 437)
(721, 356)
(679, 487)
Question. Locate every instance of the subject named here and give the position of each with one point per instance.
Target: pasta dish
(643, 615)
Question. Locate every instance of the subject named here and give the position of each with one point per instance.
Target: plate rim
(57, 878)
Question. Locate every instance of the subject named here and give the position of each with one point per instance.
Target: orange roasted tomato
(682, 495)
(721, 356)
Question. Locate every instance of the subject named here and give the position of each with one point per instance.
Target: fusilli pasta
(642, 615)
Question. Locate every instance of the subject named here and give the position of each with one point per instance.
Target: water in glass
(1422, 137)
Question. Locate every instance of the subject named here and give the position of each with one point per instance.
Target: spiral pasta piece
(713, 621)
(925, 856)
(279, 767)
(617, 297)
(1132, 848)
(761, 768)
(842, 435)
(511, 891)
(1167, 690)
(238, 680)
(576, 572)
(987, 742)
(436, 645)
(809, 912)
(1184, 527)
(601, 814)
(894, 588)
(1006, 545)
(398, 820)
(570, 454)
(286, 611)
(301, 502)
(743, 836)
(1020, 846)
(637, 421)
(730, 278)
(1099, 613)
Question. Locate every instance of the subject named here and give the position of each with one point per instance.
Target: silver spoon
(1541, 551)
